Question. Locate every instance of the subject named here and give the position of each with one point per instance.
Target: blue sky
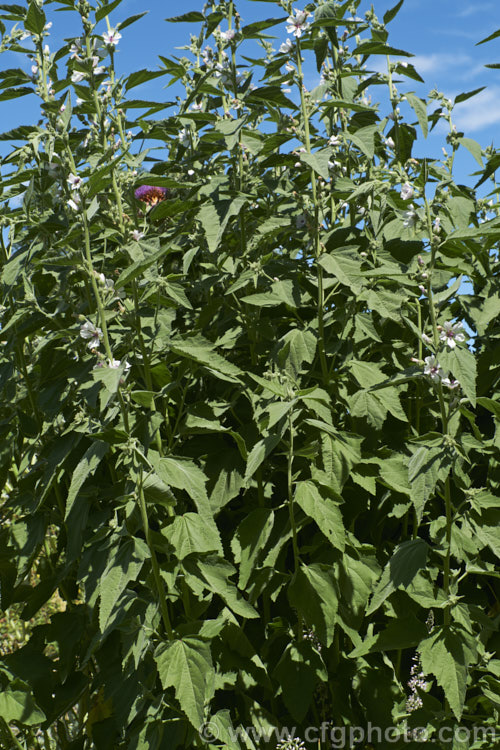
(441, 33)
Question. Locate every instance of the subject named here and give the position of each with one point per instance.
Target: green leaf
(17, 704)
(419, 106)
(259, 452)
(183, 474)
(364, 139)
(323, 511)
(216, 573)
(297, 672)
(446, 655)
(318, 161)
(427, 465)
(408, 558)
(106, 10)
(474, 148)
(186, 665)
(313, 592)
(124, 566)
(463, 97)
(489, 38)
(35, 18)
(377, 48)
(392, 12)
(366, 373)
(463, 366)
(202, 351)
(250, 540)
(214, 217)
(86, 467)
(191, 533)
(192, 17)
(142, 76)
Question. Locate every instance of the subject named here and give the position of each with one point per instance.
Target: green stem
(154, 563)
(316, 237)
(296, 556)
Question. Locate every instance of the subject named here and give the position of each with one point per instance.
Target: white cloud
(479, 112)
(439, 62)
(474, 8)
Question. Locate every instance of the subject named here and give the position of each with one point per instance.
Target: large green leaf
(186, 665)
(408, 558)
(313, 592)
(324, 511)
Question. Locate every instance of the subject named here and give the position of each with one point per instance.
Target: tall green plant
(243, 435)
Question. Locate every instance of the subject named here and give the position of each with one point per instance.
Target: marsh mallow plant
(245, 439)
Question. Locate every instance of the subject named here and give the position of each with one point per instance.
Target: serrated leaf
(85, 468)
(191, 533)
(203, 351)
(313, 592)
(323, 511)
(318, 161)
(259, 452)
(392, 12)
(183, 474)
(467, 95)
(35, 18)
(124, 566)
(191, 17)
(474, 148)
(186, 665)
(408, 558)
(216, 573)
(419, 106)
(250, 540)
(446, 656)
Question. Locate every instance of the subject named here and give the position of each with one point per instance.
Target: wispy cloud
(479, 112)
(475, 8)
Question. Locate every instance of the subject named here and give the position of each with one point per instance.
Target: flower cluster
(416, 682)
(292, 743)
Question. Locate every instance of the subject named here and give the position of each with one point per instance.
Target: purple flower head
(151, 194)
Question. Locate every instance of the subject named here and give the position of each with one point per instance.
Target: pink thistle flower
(151, 194)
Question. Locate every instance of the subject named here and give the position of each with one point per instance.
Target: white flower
(197, 106)
(92, 333)
(433, 368)
(451, 333)
(286, 47)
(228, 35)
(78, 101)
(77, 76)
(410, 216)
(289, 67)
(297, 24)
(183, 137)
(450, 382)
(406, 191)
(137, 235)
(111, 37)
(34, 70)
(426, 339)
(74, 202)
(116, 363)
(99, 70)
(75, 181)
(334, 140)
(389, 142)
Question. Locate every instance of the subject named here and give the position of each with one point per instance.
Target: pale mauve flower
(297, 23)
(433, 368)
(451, 333)
(111, 37)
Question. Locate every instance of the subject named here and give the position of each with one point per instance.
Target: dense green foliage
(233, 443)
